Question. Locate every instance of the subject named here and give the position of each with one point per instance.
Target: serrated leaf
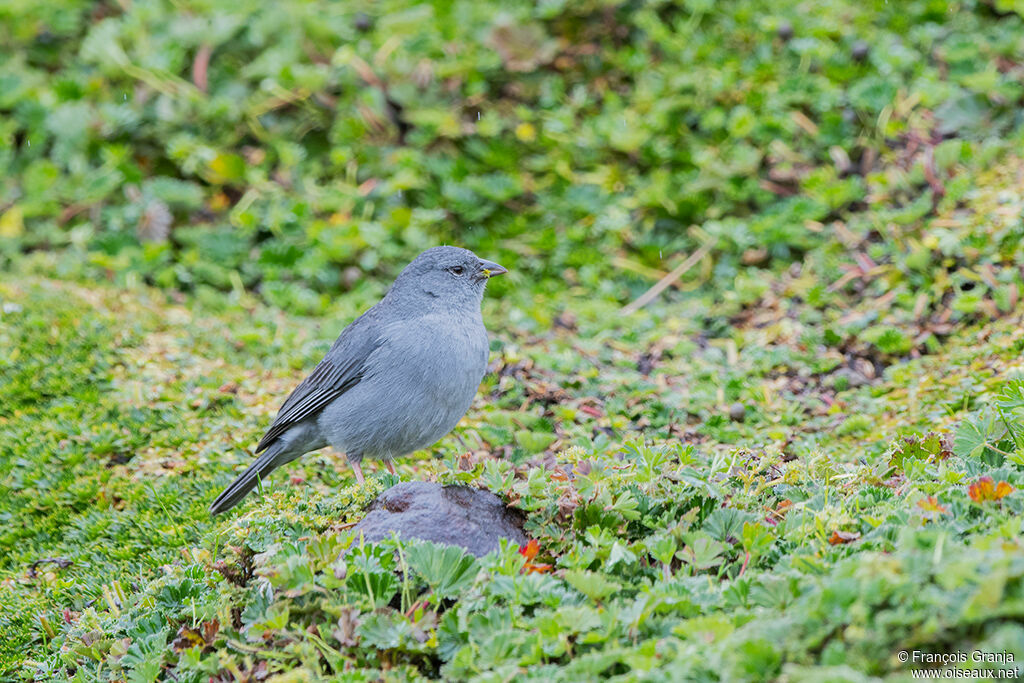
(592, 584)
(447, 569)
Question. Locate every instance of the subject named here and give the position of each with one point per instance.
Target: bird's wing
(340, 370)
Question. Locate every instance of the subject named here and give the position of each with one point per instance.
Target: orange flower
(987, 489)
(931, 504)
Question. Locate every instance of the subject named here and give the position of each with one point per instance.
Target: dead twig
(200, 65)
(61, 562)
(665, 282)
(931, 175)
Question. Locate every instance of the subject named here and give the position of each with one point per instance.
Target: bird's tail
(267, 462)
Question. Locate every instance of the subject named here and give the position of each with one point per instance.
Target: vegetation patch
(801, 456)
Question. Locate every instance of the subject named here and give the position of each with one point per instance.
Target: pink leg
(358, 470)
(391, 466)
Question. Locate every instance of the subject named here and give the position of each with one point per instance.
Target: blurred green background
(289, 148)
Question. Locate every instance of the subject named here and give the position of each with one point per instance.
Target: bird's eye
(456, 270)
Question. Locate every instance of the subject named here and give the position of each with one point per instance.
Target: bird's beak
(489, 269)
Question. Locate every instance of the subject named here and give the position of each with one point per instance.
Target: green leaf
(592, 584)
(620, 554)
(756, 538)
(225, 168)
(447, 569)
(702, 551)
(976, 436)
(384, 630)
(534, 442)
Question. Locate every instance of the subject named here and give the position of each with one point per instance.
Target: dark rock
(362, 22)
(454, 515)
(785, 30)
(860, 51)
(645, 364)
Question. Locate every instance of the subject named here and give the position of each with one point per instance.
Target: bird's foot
(357, 469)
(391, 467)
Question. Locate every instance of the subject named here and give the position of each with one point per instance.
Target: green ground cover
(802, 458)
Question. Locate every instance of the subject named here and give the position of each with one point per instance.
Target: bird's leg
(358, 470)
(391, 466)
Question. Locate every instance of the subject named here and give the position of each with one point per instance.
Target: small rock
(362, 22)
(454, 515)
(860, 51)
(848, 378)
(645, 364)
(350, 276)
(785, 30)
(737, 412)
(755, 257)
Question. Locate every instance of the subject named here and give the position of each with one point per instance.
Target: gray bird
(398, 378)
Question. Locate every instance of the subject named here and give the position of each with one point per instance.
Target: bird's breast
(451, 359)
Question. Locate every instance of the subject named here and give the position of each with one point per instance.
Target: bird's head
(447, 276)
